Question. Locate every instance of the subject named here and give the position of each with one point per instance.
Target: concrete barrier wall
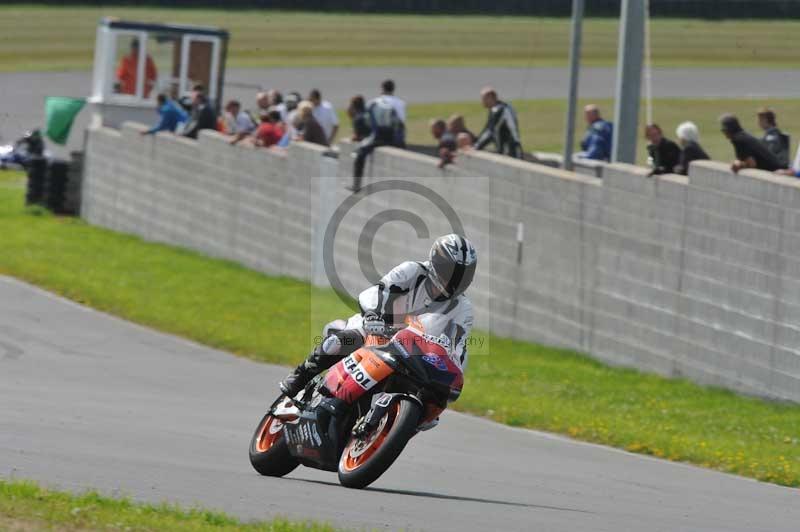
(696, 277)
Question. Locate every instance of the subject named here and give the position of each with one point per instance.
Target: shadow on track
(431, 495)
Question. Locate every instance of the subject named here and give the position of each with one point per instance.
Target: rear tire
(362, 462)
(269, 453)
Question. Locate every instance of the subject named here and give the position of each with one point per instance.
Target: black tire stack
(72, 193)
(37, 174)
(55, 184)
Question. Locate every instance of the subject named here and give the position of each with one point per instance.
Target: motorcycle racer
(430, 292)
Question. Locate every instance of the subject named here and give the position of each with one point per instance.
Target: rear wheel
(269, 452)
(366, 459)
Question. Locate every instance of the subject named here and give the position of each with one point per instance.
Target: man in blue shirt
(171, 115)
(596, 144)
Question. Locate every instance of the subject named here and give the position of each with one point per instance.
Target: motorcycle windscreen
(353, 376)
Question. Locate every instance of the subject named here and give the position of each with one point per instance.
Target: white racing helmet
(453, 260)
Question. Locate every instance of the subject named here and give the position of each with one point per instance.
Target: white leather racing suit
(403, 292)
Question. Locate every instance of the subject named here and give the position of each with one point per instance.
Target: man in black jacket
(203, 115)
(777, 141)
(664, 154)
(501, 127)
(750, 152)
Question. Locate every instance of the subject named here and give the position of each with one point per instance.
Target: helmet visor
(450, 277)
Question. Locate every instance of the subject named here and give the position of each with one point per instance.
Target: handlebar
(390, 331)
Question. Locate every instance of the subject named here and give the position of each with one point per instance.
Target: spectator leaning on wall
(262, 102)
(464, 141)
(203, 116)
(596, 143)
(359, 119)
(171, 115)
(689, 137)
(664, 154)
(325, 114)
(237, 122)
(750, 152)
(271, 129)
(446, 147)
(276, 101)
(456, 125)
(501, 127)
(777, 141)
(293, 99)
(308, 128)
(387, 121)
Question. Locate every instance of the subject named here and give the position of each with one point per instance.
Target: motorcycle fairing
(314, 438)
(352, 377)
(428, 357)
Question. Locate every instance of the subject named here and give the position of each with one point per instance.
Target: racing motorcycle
(19, 154)
(358, 416)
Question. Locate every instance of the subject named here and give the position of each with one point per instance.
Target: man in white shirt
(238, 123)
(387, 93)
(387, 115)
(325, 114)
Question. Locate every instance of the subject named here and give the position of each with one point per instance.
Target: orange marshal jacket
(126, 75)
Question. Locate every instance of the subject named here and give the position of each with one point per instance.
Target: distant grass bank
(24, 507)
(269, 319)
(61, 38)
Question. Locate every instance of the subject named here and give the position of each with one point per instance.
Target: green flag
(60, 113)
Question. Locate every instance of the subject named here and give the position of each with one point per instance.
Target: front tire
(364, 460)
(269, 453)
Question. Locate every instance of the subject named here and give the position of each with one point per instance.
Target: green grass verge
(25, 506)
(224, 305)
(542, 121)
(58, 38)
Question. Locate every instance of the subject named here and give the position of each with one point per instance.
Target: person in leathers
(431, 291)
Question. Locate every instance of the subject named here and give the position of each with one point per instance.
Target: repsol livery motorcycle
(357, 418)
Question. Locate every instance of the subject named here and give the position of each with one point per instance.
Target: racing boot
(310, 368)
(331, 350)
(296, 380)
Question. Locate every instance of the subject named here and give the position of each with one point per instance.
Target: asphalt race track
(22, 94)
(91, 401)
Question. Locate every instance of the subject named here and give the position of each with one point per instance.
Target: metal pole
(629, 81)
(648, 66)
(574, 72)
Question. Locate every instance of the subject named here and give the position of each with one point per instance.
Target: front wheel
(366, 459)
(269, 452)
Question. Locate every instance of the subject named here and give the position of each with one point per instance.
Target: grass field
(59, 38)
(226, 306)
(24, 507)
(542, 121)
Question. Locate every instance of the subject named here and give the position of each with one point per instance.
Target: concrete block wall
(696, 277)
(244, 204)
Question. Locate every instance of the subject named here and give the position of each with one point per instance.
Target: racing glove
(374, 324)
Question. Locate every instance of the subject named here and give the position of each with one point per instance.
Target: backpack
(383, 115)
